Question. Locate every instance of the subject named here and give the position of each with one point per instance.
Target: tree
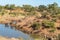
(12, 6)
(28, 8)
(7, 6)
(52, 8)
(42, 7)
(1, 7)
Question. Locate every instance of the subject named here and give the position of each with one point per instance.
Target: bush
(35, 25)
(42, 7)
(58, 16)
(58, 36)
(54, 19)
(31, 13)
(13, 14)
(47, 24)
(51, 30)
(27, 8)
(1, 14)
(10, 7)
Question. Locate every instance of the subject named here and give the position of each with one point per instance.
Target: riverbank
(42, 23)
(6, 38)
(24, 24)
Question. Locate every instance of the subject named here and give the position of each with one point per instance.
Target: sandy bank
(5, 38)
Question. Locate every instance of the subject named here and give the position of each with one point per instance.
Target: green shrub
(48, 24)
(13, 14)
(58, 36)
(1, 14)
(42, 7)
(35, 25)
(54, 19)
(51, 30)
(31, 13)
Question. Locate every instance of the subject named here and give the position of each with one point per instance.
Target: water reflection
(6, 25)
(32, 36)
(8, 31)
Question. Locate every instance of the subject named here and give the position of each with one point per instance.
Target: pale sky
(29, 2)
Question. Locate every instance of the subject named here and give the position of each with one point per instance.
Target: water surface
(8, 31)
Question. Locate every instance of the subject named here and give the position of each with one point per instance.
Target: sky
(29, 2)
